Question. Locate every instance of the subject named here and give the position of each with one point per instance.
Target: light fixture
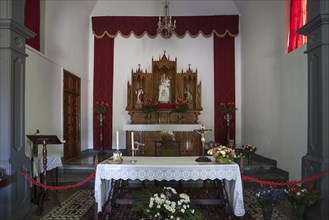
(165, 26)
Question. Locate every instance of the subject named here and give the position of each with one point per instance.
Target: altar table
(170, 168)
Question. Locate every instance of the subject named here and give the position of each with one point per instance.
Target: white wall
(274, 86)
(66, 47)
(43, 99)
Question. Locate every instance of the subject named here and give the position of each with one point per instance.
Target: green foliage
(166, 203)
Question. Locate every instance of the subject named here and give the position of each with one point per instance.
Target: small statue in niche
(164, 89)
(139, 96)
(188, 95)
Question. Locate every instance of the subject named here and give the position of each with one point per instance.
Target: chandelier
(165, 26)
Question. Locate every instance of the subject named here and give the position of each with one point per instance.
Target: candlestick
(133, 161)
(117, 140)
(132, 140)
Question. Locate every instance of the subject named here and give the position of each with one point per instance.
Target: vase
(267, 211)
(298, 211)
(249, 157)
(222, 160)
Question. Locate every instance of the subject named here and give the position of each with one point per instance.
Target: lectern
(44, 140)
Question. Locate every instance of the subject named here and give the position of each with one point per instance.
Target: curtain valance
(220, 25)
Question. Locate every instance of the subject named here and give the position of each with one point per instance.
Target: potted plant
(301, 197)
(248, 151)
(267, 198)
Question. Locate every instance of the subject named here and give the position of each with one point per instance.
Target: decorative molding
(7, 23)
(314, 24)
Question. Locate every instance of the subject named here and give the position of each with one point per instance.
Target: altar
(150, 134)
(164, 105)
(169, 168)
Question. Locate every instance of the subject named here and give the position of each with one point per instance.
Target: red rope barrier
(262, 182)
(290, 183)
(59, 187)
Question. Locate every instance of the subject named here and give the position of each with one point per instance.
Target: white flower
(192, 211)
(182, 210)
(298, 194)
(171, 217)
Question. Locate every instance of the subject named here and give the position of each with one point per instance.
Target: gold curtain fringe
(105, 33)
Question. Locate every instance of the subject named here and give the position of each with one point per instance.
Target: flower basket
(223, 154)
(222, 160)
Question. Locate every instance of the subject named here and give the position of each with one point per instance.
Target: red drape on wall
(32, 21)
(224, 70)
(224, 28)
(298, 17)
(103, 89)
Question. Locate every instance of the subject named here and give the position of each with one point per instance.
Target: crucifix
(202, 131)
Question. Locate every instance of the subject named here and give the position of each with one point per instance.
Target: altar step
(263, 168)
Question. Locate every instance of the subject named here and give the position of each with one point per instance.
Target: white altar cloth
(53, 161)
(162, 127)
(170, 168)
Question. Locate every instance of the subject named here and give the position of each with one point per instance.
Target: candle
(117, 140)
(132, 141)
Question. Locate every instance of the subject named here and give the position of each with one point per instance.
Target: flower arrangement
(267, 198)
(101, 107)
(166, 204)
(249, 149)
(180, 105)
(149, 105)
(270, 196)
(223, 154)
(227, 108)
(298, 195)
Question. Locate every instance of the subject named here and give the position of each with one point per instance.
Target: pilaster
(16, 195)
(317, 157)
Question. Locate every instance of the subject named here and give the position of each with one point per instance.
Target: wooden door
(71, 112)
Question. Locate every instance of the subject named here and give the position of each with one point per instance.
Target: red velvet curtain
(298, 17)
(224, 70)
(224, 29)
(32, 21)
(103, 89)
